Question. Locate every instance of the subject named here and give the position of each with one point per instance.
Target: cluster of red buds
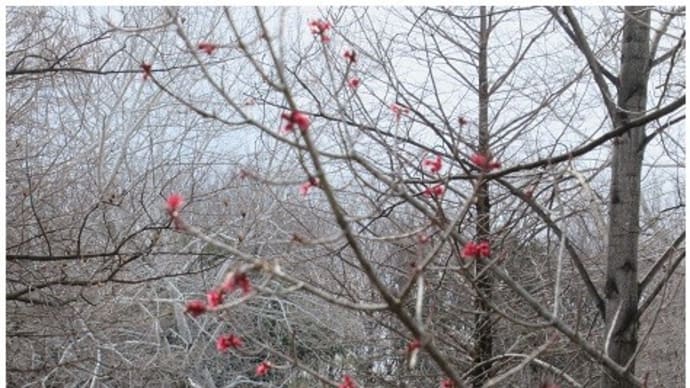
(472, 249)
(320, 28)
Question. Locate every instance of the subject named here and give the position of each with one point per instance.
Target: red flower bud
(413, 345)
(214, 298)
(207, 47)
(484, 163)
(399, 110)
(434, 165)
(263, 368)
(173, 204)
(347, 382)
(434, 191)
(195, 307)
(237, 280)
(306, 187)
(447, 383)
(353, 82)
(350, 56)
(146, 69)
(293, 118)
(227, 341)
(320, 27)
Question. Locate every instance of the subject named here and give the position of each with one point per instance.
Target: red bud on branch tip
(447, 383)
(306, 187)
(173, 204)
(214, 298)
(353, 82)
(434, 191)
(350, 56)
(347, 382)
(469, 250)
(484, 162)
(195, 307)
(433, 165)
(484, 249)
(415, 344)
(263, 368)
(227, 341)
(237, 280)
(207, 47)
(472, 250)
(320, 27)
(146, 69)
(295, 118)
(399, 110)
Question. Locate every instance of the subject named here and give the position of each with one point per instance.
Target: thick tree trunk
(483, 334)
(621, 271)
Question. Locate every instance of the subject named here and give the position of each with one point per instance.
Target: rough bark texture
(483, 324)
(621, 272)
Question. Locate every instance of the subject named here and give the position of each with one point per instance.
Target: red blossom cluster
(472, 249)
(306, 187)
(462, 121)
(350, 56)
(295, 118)
(320, 27)
(485, 163)
(433, 165)
(263, 368)
(434, 191)
(348, 382)
(207, 47)
(227, 341)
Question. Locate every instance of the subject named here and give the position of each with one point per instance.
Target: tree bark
(621, 290)
(483, 324)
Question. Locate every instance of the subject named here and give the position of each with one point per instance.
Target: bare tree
(364, 196)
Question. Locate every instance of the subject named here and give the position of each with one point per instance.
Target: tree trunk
(483, 335)
(621, 271)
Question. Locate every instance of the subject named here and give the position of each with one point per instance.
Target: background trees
(363, 275)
